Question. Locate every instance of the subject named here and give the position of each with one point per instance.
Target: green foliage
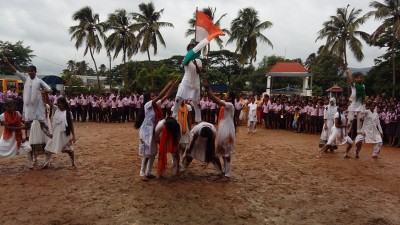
(72, 80)
(224, 61)
(317, 91)
(239, 84)
(214, 76)
(341, 32)
(325, 72)
(246, 30)
(161, 77)
(88, 33)
(257, 83)
(74, 84)
(17, 54)
(378, 81)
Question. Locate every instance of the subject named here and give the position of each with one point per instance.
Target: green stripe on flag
(190, 55)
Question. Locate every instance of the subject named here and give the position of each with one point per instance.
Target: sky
(43, 25)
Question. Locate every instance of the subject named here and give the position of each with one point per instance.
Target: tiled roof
(284, 67)
(335, 88)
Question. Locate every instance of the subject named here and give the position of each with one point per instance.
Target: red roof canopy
(288, 69)
(335, 88)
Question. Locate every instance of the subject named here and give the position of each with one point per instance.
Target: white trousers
(251, 126)
(377, 146)
(227, 165)
(147, 165)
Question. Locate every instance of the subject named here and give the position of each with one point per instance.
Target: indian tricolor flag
(205, 32)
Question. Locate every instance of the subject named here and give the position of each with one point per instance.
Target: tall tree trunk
(150, 69)
(95, 67)
(393, 66)
(109, 73)
(126, 80)
(345, 67)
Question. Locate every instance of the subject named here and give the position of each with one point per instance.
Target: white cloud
(43, 25)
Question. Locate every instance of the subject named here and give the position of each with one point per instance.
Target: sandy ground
(277, 179)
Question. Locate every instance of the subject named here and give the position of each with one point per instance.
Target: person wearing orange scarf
(149, 115)
(184, 119)
(169, 133)
(11, 142)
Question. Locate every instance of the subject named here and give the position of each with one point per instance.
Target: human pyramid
(173, 134)
(35, 122)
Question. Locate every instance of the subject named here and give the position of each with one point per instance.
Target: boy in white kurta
(371, 131)
(189, 88)
(356, 98)
(252, 120)
(34, 89)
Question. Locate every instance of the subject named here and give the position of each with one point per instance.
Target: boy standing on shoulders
(357, 99)
(34, 89)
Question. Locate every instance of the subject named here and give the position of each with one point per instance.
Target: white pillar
(306, 90)
(268, 85)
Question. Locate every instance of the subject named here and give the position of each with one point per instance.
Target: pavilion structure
(334, 91)
(290, 69)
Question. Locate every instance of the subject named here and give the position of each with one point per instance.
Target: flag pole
(195, 26)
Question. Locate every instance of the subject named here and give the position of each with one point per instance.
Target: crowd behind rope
(300, 114)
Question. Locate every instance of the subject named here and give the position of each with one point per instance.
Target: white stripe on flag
(200, 45)
(201, 33)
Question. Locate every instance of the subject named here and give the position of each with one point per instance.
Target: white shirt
(33, 104)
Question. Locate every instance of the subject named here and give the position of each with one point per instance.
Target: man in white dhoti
(189, 88)
(34, 89)
(34, 108)
(357, 99)
(371, 131)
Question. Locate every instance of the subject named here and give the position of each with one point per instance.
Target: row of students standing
(11, 94)
(209, 110)
(103, 108)
(389, 117)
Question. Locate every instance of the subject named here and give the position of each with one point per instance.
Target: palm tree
(71, 66)
(342, 30)
(389, 12)
(148, 26)
(246, 29)
(103, 69)
(122, 38)
(88, 32)
(211, 13)
(310, 61)
(82, 67)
